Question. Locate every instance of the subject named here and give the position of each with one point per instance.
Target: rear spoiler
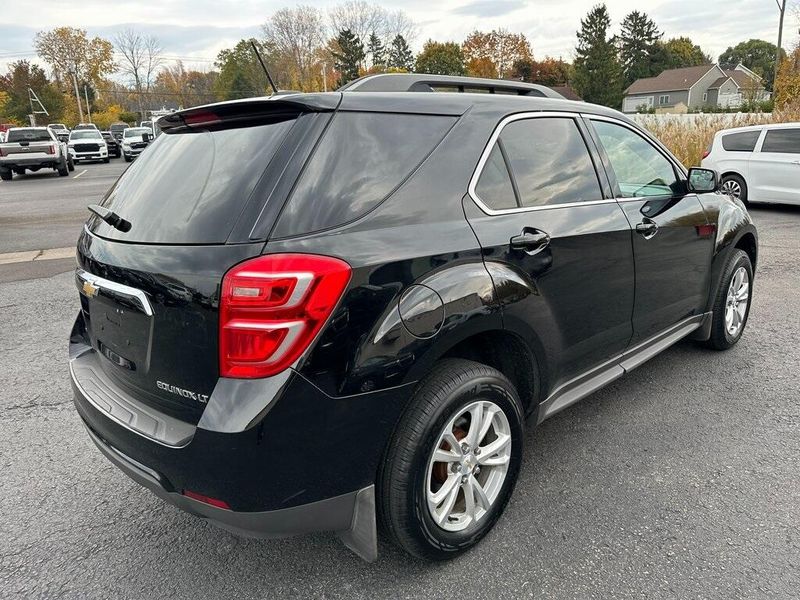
(248, 111)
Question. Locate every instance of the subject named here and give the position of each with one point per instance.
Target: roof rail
(423, 82)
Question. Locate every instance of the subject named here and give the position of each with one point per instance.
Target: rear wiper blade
(110, 217)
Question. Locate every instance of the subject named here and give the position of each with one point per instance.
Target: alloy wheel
(737, 301)
(731, 187)
(468, 466)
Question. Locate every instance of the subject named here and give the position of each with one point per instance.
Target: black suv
(315, 312)
(111, 142)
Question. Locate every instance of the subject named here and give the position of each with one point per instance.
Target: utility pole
(324, 77)
(782, 8)
(34, 99)
(88, 110)
(77, 94)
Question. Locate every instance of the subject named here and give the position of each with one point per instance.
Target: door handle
(647, 228)
(530, 241)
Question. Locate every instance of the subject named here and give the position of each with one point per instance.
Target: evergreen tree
(598, 75)
(400, 55)
(348, 56)
(376, 51)
(639, 51)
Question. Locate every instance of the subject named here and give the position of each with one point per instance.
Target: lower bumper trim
(351, 515)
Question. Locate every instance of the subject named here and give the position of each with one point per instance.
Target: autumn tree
(638, 47)
(681, 52)
(441, 58)
(400, 55)
(598, 75)
(141, 59)
(787, 85)
(185, 87)
(756, 55)
(22, 75)
(348, 54)
(297, 36)
(482, 67)
(499, 46)
(68, 51)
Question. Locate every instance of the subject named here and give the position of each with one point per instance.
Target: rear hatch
(199, 201)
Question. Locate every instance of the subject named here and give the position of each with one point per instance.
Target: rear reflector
(706, 153)
(271, 309)
(206, 499)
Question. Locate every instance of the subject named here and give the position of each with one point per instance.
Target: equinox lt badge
(174, 389)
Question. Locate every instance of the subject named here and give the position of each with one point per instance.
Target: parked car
(116, 129)
(60, 130)
(309, 312)
(87, 144)
(111, 143)
(81, 126)
(134, 141)
(32, 148)
(758, 164)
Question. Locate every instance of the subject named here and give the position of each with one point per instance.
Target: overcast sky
(195, 30)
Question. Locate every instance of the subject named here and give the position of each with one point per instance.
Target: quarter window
(547, 160)
(782, 141)
(641, 170)
(740, 142)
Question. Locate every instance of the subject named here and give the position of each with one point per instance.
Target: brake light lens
(271, 309)
(51, 149)
(206, 499)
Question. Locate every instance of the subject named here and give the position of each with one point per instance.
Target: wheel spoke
(488, 417)
(480, 493)
(740, 311)
(445, 456)
(469, 499)
(494, 461)
(453, 442)
(448, 486)
(449, 503)
(475, 424)
(493, 448)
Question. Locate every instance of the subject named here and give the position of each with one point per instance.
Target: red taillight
(51, 149)
(272, 307)
(706, 153)
(206, 499)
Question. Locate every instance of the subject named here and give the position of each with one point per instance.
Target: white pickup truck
(33, 148)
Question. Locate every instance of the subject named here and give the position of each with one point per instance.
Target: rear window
(29, 135)
(190, 188)
(782, 141)
(740, 142)
(360, 161)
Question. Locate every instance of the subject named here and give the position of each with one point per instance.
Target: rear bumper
(351, 515)
(31, 161)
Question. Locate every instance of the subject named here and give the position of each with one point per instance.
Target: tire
(70, 164)
(409, 476)
(6, 175)
(106, 159)
(735, 186)
(723, 335)
(127, 158)
(63, 170)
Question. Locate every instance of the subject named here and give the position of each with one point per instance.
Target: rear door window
(360, 161)
(782, 141)
(740, 142)
(190, 188)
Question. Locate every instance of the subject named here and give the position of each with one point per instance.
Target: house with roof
(692, 88)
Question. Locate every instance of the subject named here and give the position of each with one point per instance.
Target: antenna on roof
(263, 66)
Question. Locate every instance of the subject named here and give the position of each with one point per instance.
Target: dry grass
(687, 137)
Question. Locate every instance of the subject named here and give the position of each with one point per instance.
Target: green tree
(400, 55)
(376, 51)
(681, 52)
(240, 73)
(68, 51)
(598, 75)
(756, 55)
(348, 52)
(440, 58)
(638, 46)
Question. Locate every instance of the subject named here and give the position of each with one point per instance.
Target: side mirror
(146, 138)
(703, 180)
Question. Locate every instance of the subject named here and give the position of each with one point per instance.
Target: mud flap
(362, 537)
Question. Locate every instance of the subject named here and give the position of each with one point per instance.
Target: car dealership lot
(680, 480)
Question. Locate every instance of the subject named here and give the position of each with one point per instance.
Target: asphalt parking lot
(681, 480)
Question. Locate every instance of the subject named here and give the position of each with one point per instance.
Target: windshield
(135, 131)
(190, 188)
(87, 134)
(58, 126)
(29, 135)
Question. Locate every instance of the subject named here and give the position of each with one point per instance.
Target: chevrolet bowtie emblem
(89, 289)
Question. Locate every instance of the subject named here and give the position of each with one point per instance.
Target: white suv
(758, 164)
